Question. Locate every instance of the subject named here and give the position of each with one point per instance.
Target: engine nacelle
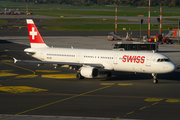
(89, 72)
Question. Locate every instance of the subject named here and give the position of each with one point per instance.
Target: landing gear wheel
(107, 74)
(79, 76)
(155, 81)
(155, 78)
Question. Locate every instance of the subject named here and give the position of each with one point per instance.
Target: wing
(60, 63)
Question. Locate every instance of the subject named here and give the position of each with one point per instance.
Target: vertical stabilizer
(36, 41)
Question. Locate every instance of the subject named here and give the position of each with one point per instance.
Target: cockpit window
(167, 60)
(163, 60)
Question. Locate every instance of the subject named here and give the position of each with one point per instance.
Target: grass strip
(54, 15)
(83, 20)
(172, 19)
(3, 21)
(105, 27)
(107, 13)
(8, 3)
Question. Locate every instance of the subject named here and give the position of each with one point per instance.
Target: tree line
(170, 3)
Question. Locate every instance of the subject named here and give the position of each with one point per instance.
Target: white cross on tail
(33, 33)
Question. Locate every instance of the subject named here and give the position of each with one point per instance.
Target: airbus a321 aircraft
(88, 62)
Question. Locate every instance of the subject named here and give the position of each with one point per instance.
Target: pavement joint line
(49, 93)
(56, 102)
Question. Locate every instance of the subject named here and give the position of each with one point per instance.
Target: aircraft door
(148, 61)
(42, 55)
(115, 60)
(78, 57)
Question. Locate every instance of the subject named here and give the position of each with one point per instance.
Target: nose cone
(171, 67)
(164, 68)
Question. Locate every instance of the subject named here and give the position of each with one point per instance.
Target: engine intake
(89, 72)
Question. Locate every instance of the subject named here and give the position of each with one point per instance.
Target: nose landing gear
(155, 78)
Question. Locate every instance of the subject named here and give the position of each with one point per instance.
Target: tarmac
(29, 92)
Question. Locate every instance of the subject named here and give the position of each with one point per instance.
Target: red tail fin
(34, 36)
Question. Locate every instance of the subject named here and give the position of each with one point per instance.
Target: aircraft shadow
(4, 42)
(7, 45)
(124, 77)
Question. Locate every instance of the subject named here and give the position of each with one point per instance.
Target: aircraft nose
(172, 67)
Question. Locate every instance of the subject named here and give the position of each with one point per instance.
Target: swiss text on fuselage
(133, 59)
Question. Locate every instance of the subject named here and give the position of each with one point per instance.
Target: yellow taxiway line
(20, 89)
(59, 76)
(58, 101)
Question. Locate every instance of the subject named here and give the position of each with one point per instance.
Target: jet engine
(89, 72)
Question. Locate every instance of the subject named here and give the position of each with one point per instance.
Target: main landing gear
(155, 78)
(107, 74)
(79, 76)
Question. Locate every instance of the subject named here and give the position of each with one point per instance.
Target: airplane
(88, 62)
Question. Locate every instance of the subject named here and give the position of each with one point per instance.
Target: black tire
(107, 74)
(155, 81)
(79, 76)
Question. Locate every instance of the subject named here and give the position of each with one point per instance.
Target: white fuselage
(128, 61)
